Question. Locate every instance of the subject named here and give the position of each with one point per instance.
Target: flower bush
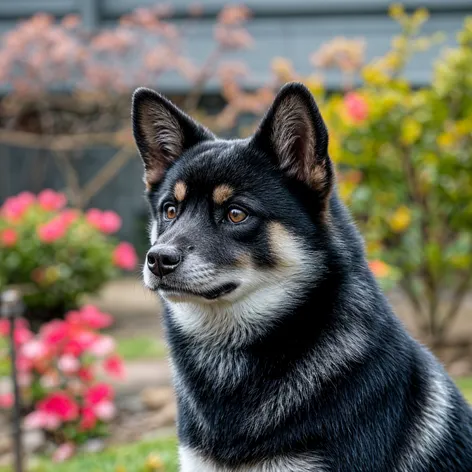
(61, 252)
(58, 372)
(404, 157)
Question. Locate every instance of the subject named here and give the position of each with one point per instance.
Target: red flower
(89, 317)
(98, 393)
(85, 374)
(114, 366)
(8, 237)
(124, 256)
(107, 222)
(6, 401)
(356, 107)
(14, 207)
(60, 404)
(51, 200)
(88, 419)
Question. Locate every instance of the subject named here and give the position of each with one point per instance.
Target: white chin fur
(261, 298)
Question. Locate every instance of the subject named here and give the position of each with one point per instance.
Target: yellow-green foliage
(404, 157)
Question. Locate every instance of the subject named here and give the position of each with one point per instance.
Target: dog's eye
(170, 212)
(235, 215)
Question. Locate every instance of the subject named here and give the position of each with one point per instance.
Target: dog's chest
(192, 461)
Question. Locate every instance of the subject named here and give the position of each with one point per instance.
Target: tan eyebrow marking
(222, 193)
(180, 191)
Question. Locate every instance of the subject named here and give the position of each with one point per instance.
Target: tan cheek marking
(280, 241)
(222, 193)
(180, 190)
(243, 261)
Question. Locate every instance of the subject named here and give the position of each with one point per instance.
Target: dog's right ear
(162, 133)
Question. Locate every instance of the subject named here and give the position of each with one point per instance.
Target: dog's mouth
(210, 294)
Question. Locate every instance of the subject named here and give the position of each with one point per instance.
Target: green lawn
(141, 347)
(465, 384)
(138, 457)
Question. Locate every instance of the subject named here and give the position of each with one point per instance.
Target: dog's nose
(163, 261)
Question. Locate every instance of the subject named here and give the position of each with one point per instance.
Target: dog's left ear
(294, 134)
(162, 133)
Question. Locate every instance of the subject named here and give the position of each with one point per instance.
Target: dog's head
(239, 227)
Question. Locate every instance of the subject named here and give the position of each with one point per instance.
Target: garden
(90, 356)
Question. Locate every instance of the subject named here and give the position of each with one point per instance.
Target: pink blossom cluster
(58, 374)
(56, 221)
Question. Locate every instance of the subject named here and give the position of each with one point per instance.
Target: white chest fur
(192, 461)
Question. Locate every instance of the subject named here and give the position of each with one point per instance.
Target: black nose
(163, 261)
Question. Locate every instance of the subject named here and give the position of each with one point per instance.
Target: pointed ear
(295, 136)
(162, 133)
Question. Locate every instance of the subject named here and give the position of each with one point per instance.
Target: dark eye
(170, 212)
(235, 215)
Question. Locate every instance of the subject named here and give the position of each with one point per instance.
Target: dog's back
(287, 357)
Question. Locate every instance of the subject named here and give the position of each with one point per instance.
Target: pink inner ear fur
(294, 139)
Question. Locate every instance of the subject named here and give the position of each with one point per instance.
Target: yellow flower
(154, 463)
(401, 219)
(445, 140)
(396, 10)
(314, 84)
(120, 468)
(420, 16)
(374, 76)
(411, 131)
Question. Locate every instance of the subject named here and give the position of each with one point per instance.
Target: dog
(286, 356)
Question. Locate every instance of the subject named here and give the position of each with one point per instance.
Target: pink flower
(356, 107)
(52, 231)
(14, 207)
(69, 216)
(89, 317)
(24, 379)
(88, 419)
(51, 200)
(68, 364)
(114, 366)
(80, 343)
(54, 332)
(8, 237)
(94, 216)
(105, 410)
(23, 364)
(124, 256)
(40, 419)
(6, 401)
(107, 222)
(110, 222)
(103, 346)
(34, 349)
(61, 405)
(63, 452)
(22, 335)
(20, 323)
(98, 393)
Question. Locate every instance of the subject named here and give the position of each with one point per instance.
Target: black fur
(361, 412)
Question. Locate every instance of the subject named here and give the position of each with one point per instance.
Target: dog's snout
(163, 261)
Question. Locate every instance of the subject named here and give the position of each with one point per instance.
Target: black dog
(286, 355)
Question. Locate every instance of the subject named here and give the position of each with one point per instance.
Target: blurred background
(393, 82)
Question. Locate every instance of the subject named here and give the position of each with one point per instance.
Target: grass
(465, 385)
(141, 347)
(139, 457)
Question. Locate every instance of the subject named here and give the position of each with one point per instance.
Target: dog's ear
(294, 134)
(162, 132)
